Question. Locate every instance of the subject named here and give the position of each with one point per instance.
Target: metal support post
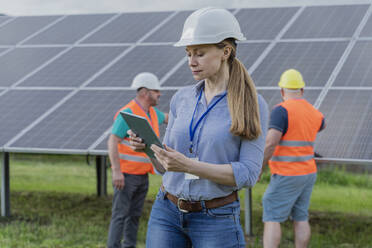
(101, 176)
(248, 212)
(5, 186)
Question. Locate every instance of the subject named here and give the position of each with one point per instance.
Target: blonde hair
(242, 98)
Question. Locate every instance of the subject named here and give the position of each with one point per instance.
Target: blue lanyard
(192, 130)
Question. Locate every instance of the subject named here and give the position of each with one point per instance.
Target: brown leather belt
(196, 206)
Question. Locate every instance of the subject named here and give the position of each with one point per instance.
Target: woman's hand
(136, 143)
(171, 159)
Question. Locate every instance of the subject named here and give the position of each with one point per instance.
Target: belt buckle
(178, 205)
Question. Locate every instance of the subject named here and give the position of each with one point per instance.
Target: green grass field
(54, 204)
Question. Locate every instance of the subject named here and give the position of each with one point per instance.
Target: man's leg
(137, 201)
(120, 209)
(302, 233)
(300, 212)
(272, 234)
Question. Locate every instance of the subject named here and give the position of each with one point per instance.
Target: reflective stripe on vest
(294, 155)
(296, 143)
(292, 158)
(134, 158)
(133, 162)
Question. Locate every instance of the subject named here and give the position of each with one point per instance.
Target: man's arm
(323, 126)
(166, 117)
(272, 140)
(117, 175)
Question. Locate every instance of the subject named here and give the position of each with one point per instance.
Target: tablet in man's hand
(140, 126)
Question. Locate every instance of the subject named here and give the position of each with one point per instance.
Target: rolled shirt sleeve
(248, 168)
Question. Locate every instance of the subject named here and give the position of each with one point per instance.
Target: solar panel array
(62, 78)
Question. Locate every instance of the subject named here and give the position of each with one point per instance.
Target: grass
(54, 204)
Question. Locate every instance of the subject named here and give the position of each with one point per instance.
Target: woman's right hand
(136, 143)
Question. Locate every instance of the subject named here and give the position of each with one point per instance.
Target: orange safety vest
(294, 155)
(132, 162)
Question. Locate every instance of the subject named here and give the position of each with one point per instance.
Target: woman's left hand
(171, 159)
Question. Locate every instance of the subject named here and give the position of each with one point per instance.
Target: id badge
(189, 176)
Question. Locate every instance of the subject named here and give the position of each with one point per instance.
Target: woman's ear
(226, 52)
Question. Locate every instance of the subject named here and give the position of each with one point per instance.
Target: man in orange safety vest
(130, 168)
(289, 150)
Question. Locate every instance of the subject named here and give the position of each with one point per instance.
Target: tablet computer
(140, 126)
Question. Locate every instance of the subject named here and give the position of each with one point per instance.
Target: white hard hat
(209, 26)
(147, 80)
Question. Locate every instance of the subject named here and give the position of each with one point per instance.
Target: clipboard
(140, 126)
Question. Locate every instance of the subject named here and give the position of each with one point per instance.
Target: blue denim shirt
(213, 143)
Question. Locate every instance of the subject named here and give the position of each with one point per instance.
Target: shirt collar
(200, 86)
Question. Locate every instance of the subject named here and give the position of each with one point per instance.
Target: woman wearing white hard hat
(214, 141)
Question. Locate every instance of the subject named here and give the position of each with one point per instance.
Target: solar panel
(103, 145)
(19, 108)
(25, 27)
(48, 54)
(367, 30)
(20, 61)
(77, 123)
(74, 67)
(273, 97)
(69, 30)
(128, 27)
(327, 21)
(357, 69)
(171, 31)
(247, 54)
(3, 19)
(2, 50)
(156, 59)
(315, 60)
(349, 129)
(264, 23)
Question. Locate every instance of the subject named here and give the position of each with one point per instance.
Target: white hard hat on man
(146, 80)
(209, 26)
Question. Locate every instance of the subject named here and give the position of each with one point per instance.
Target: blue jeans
(168, 227)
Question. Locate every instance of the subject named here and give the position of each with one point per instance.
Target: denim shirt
(212, 143)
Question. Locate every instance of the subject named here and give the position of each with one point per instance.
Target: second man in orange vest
(293, 127)
(129, 167)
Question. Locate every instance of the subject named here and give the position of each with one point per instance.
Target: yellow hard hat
(291, 79)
